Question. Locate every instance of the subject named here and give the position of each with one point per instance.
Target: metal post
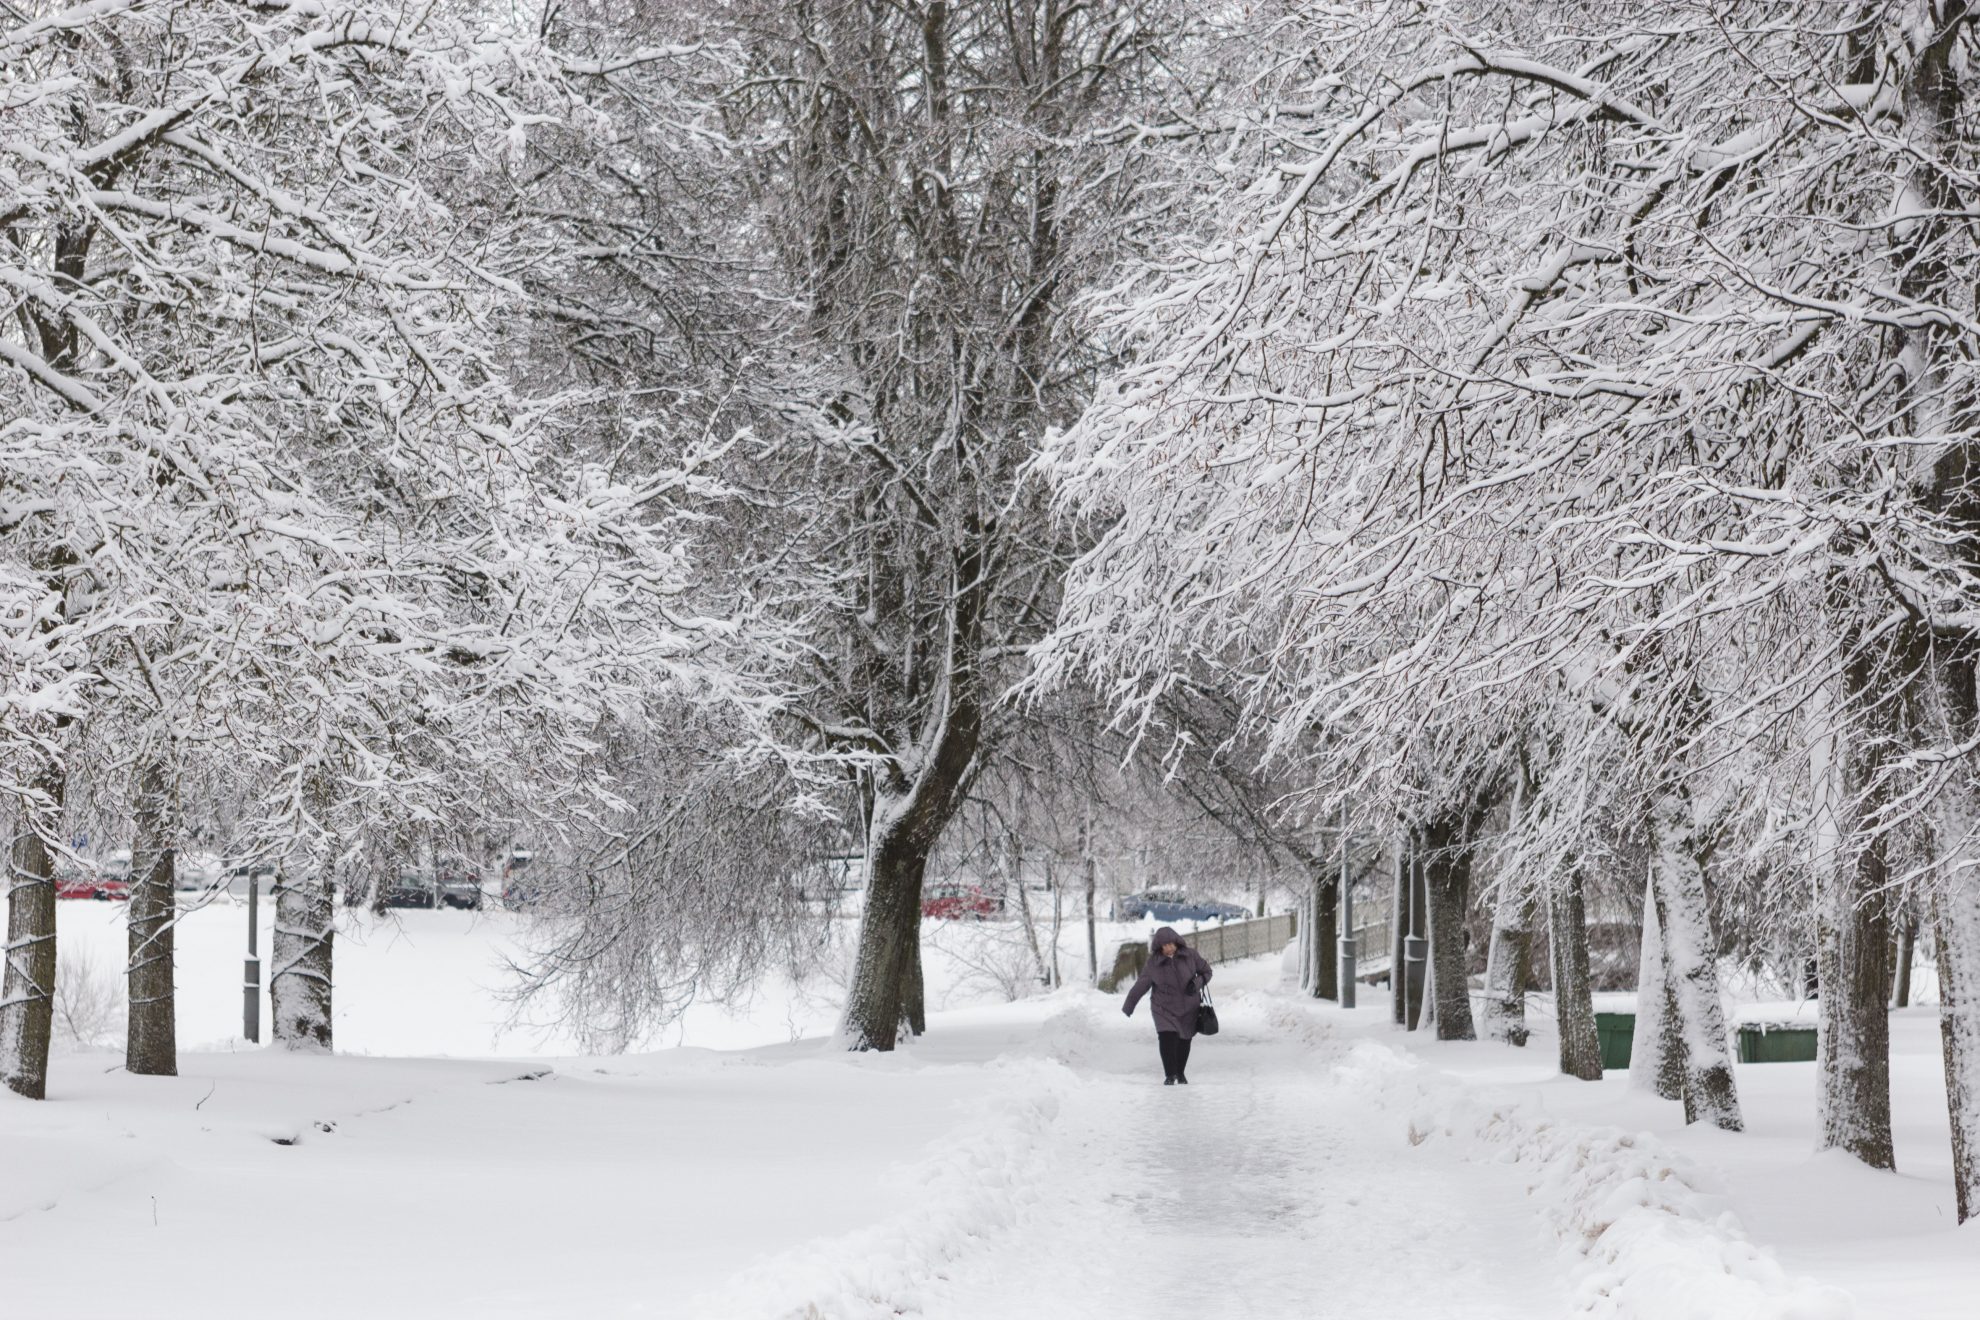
(1416, 949)
(1347, 920)
(251, 973)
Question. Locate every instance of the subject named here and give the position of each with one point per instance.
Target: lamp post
(1416, 948)
(251, 971)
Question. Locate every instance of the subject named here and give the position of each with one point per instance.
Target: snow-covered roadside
(963, 1192)
(1666, 1220)
(1648, 1238)
(606, 1187)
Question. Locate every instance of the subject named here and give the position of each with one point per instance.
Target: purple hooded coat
(1173, 981)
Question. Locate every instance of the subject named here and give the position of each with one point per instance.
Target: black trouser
(1175, 1053)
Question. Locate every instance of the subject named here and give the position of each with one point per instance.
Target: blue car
(1174, 905)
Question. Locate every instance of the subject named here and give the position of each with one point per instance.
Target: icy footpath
(1270, 1187)
(1647, 1236)
(1311, 1170)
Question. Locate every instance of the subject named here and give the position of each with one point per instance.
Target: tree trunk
(1656, 1049)
(1058, 916)
(1956, 929)
(1853, 936)
(879, 1004)
(1447, 882)
(1303, 939)
(1508, 965)
(1323, 937)
(914, 1002)
(1092, 886)
(1710, 1095)
(911, 808)
(27, 991)
(1854, 1089)
(1956, 913)
(299, 983)
(1935, 34)
(1853, 925)
(151, 1040)
(1907, 946)
(1574, 1002)
(1014, 867)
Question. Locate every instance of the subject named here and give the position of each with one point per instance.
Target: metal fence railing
(1242, 939)
(1225, 943)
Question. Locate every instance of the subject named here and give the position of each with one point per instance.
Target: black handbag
(1206, 1014)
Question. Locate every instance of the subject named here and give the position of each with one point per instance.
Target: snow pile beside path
(1653, 1241)
(958, 1195)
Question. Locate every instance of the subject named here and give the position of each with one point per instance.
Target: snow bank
(1651, 1237)
(962, 1192)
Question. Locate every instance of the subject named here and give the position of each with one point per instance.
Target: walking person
(1176, 974)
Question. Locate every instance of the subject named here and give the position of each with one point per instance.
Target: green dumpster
(1776, 1042)
(1615, 1031)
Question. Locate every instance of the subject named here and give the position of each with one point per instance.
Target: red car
(950, 902)
(85, 884)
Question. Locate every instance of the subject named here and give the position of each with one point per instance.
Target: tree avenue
(1515, 458)
(1590, 378)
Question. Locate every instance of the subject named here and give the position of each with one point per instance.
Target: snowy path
(1267, 1188)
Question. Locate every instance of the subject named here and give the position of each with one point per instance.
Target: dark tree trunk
(914, 996)
(1671, 1061)
(27, 990)
(912, 805)
(878, 1005)
(1447, 880)
(1853, 941)
(1855, 1067)
(1574, 1001)
(151, 1042)
(299, 986)
(1907, 946)
(1324, 937)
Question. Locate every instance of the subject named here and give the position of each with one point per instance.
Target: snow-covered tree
(288, 492)
(1605, 355)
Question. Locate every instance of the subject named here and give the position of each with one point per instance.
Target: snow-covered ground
(1024, 1159)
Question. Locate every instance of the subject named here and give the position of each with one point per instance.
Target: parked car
(90, 883)
(411, 889)
(1175, 905)
(950, 902)
(107, 882)
(458, 885)
(196, 873)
